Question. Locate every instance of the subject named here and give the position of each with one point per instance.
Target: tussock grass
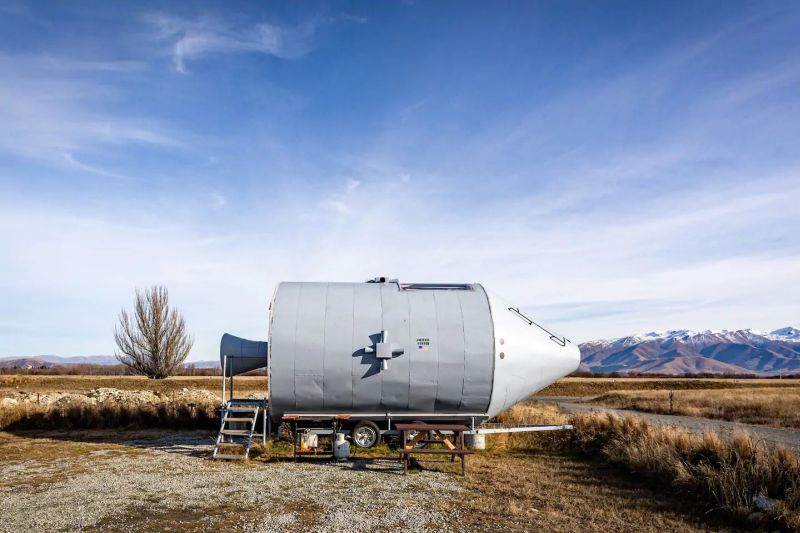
(726, 475)
(766, 406)
(530, 413)
(109, 415)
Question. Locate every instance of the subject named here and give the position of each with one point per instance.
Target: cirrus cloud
(192, 39)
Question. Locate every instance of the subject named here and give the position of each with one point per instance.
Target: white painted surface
(526, 358)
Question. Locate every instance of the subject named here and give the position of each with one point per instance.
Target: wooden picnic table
(433, 434)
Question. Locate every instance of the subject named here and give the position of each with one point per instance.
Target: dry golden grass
(563, 387)
(109, 415)
(727, 474)
(766, 406)
(526, 482)
(13, 447)
(549, 491)
(530, 413)
(721, 475)
(595, 386)
(12, 383)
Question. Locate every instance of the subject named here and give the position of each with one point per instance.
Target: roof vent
(436, 286)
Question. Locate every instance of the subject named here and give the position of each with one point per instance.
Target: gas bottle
(341, 448)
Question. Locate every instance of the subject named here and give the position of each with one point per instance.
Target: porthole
(502, 355)
(502, 341)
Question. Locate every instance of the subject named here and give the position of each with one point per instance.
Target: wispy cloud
(340, 201)
(586, 274)
(192, 39)
(628, 191)
(61, 119)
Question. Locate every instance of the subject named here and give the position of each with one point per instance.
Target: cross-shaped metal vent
(385, 350)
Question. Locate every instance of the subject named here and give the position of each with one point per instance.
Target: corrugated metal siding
(367, 321)
(319, 332)
(450, 363)
(423, 375)
(477, 367)
(282, 347)
(337, 385)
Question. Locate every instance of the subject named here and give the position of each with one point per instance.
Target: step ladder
(237, 413)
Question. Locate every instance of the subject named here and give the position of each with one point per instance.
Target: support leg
(295, 436)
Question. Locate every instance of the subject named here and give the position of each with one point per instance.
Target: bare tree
(153, 343)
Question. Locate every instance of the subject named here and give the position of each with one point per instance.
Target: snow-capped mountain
(743, 351)
(786, 334)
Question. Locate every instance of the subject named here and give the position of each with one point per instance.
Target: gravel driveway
(166, 484)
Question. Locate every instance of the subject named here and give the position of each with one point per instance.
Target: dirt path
(789, 438)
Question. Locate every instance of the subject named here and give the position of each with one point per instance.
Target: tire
(365, 434)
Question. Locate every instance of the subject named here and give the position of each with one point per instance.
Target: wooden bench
(434, 435)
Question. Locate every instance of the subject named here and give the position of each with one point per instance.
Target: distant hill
(80, 360)
(24, 362)
(682, 352)
(48, 361)
(203, 364)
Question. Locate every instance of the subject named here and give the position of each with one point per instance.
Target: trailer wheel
(365, 434)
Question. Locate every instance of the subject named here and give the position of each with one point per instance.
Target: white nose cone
(527, 357)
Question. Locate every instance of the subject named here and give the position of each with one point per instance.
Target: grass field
(10, 384)
(563, 387)
(566, 481)
(596, 386)
(778, 407)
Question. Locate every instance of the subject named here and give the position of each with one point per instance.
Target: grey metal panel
(242, 355)
(365, 368)
(450, 330)
(283, 328)
(395, 379)
(319, 331)
(478, 350)
(338, 353)
(423, 359)
(309, 362)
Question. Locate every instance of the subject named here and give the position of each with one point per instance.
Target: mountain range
(681, 352)
(678, 352)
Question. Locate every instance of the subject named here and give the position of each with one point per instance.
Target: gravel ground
(168, 484)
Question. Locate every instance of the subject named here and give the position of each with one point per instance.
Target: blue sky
(611, 167)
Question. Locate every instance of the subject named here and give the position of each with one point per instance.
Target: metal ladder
(237, 412)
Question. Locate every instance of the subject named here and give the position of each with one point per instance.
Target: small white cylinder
(341, 448)
(475, 441)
